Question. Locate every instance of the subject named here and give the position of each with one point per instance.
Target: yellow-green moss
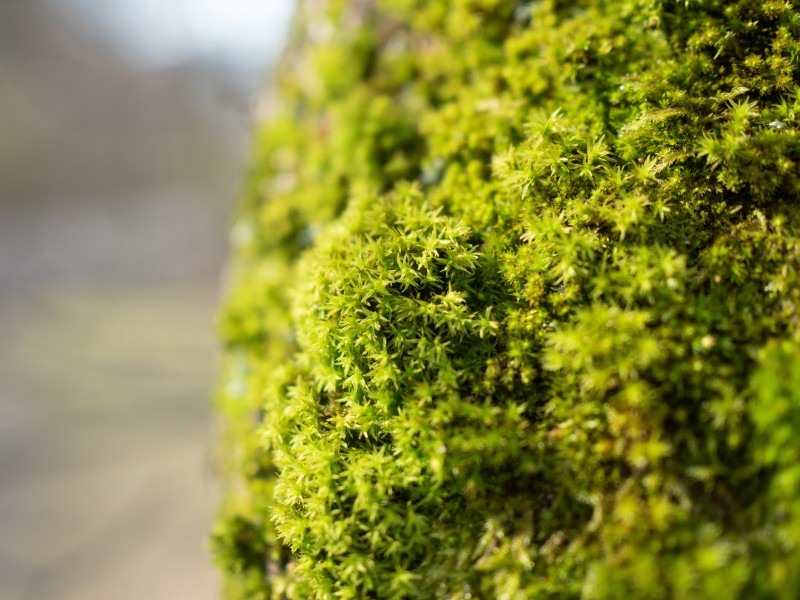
(515, 306)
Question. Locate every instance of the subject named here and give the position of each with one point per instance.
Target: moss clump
(515, 306)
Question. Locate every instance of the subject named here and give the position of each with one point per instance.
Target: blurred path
(106, 489)
(115, 189)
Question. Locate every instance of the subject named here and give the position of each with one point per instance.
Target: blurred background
(124, 128)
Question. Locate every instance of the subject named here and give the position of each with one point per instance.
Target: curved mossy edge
(514, 310)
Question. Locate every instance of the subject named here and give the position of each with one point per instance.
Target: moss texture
(515, 306)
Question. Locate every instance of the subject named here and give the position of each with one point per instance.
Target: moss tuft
(515, 306)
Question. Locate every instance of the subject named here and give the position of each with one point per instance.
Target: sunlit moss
(514, 309)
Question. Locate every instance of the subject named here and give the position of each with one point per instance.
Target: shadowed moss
(514, 309)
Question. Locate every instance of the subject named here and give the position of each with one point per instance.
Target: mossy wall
(515, 303)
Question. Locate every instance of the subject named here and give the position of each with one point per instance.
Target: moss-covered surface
(515, 306)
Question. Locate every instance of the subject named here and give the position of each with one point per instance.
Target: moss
(515, 301)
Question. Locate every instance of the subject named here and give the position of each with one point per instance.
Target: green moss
(514, 310)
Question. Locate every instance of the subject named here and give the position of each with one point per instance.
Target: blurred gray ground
(115, 193)
(105, 486)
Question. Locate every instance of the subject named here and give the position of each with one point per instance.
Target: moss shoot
(515, 306)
